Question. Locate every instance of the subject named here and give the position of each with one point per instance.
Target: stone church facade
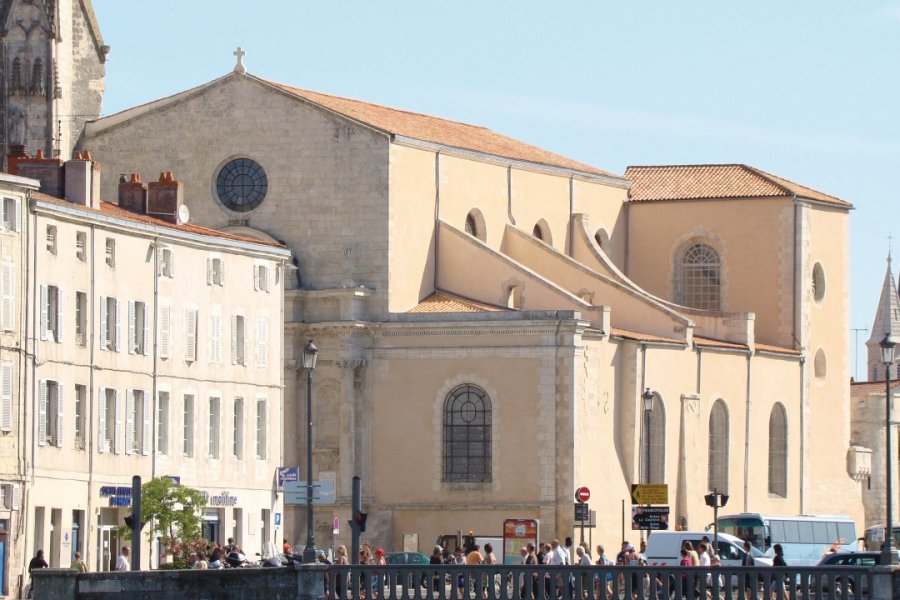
(489, 314)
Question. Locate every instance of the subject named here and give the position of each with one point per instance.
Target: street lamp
(309, 363)
(648, 398)
(887, 358)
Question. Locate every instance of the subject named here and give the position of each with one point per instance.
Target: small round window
(818, 282)
(241, 184)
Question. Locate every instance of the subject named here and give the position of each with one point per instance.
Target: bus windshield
(746, 528)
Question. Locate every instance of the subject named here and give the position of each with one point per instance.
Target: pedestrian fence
(519, 582)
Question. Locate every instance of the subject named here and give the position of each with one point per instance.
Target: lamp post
(310, 352)
(647, 397)
(887, 357)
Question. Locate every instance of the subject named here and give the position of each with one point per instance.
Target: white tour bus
(804, 538)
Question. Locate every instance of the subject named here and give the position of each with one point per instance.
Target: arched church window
(655, 471)
(541, 231)
(718, 448)
(818, 282)
(467, 435)
(241, 184)
(778, 451)
(471, 226)
(475, 225)
(15, 78)
(701, 282)
(37, 78)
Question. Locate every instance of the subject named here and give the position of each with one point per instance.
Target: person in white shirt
(122, 563)
(704, 555)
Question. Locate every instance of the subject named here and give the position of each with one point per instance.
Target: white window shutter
(245, 358)
(16, 497)
(59, 315)
(118, 326)
(261, 341)
(255, 277)
(44, 312)
(222, 271)
(145, 443)
(234, 340)
(59, 415)
(101, 421)
(7, 293)
(42, 413)
(146, 331)
(132, 338)
(171, 263)
(269, 279)
(17, 218)
(6, 393)
(190, 329)
(159, 261)
(118, 422)
(104, 320)
(209, 271)
(129, 421)
(165, 313)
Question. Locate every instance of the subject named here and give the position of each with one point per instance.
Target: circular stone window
(241, 184)
(818, 282)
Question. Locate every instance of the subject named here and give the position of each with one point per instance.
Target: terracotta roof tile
(712, 343)
(776, 349)
(689, 182)
(642, 337)
(444, 302)
(438, 130)
(113, 210)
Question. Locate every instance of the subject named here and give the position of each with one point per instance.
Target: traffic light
(361, 521)
(129, 522)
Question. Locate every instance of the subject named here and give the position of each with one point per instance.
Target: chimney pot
(164, 197)
(135, 177)
(86, 155)
(133, 194)
(40, 153)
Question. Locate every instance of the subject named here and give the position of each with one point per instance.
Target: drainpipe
(798, 271)
(747, 438)
(802, 435)
(627, 238)
(509, 210)
(571, 213)
(91, 399)
(154, 383)
(640, 391)
(437, 216)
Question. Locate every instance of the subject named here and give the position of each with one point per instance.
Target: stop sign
(582, 494)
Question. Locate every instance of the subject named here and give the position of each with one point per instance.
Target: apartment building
(154, 348)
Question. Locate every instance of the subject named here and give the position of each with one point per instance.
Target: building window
(238, 340)
(110, 324)
(514, 297)
(190, 334)
(51, 313)
(187, 435)
(475, 225)
(214, 408)
(541, 231)
(471, 225)
(137, 423)
(215, 337)
(215, 271)
(261, 428)
(138, 327)
(81, 245)
(718, 448)
(166, 265)
(261, 278)
(467, 435)
(110, 420)
(820, 364)
(10, 215)
(6, 396)
(818, 282)
(237, 445)
(241, 185)
(7, 296)
(50, 415)
(655, 471)
(81, 318)
(111, 252)
(162, 423)
(778, 451)
(262, 341)
(80, 408)
(51, 239)
(165, 336)
(701, 281)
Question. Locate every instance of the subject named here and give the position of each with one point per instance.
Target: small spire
(889, 248)
(239, 66)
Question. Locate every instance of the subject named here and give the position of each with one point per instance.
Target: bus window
(805, 535)
(776, 531)
(791, 531)
(847, 533)
(821, 535)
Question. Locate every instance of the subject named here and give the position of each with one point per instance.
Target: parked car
(407, 558)
(848, 559)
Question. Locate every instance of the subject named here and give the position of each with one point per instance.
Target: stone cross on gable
(239, 66)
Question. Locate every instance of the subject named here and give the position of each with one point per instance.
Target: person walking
(37, 562)
(436, 558)
(78, 564)
(748, 561)
(122, 562)
(779, 583)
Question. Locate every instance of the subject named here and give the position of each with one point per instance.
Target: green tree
(173, 509)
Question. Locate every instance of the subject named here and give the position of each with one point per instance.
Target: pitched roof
(691, 182)
(775, 349)
(887, 315)
(642, 337)
(438, 130)
(445, 302)
(714, 343)
(114, 210)
(873, 387)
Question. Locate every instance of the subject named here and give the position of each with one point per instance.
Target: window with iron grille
(467, 435)
(718, 448)
(700, 282)
(778, 451)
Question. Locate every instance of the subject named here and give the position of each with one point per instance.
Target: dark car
(407, 558)
(847, 559)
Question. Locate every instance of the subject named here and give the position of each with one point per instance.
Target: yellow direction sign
(649, 493)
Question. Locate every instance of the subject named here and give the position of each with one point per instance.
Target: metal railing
(515, 582)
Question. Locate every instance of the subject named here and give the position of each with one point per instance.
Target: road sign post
(650, 517)
(582, 495)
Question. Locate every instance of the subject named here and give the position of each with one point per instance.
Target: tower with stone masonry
(52, 60)
(887, 320)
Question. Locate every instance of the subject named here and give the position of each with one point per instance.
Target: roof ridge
(777, 179)
(686, 165)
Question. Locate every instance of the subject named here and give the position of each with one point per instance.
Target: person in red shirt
(286, 549)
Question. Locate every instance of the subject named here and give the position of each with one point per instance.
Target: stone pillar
(310, 582)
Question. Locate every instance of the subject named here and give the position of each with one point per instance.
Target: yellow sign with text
(649, 493)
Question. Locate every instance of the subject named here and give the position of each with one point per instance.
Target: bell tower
(52, 64)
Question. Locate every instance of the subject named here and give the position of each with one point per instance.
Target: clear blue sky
(806, 90)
